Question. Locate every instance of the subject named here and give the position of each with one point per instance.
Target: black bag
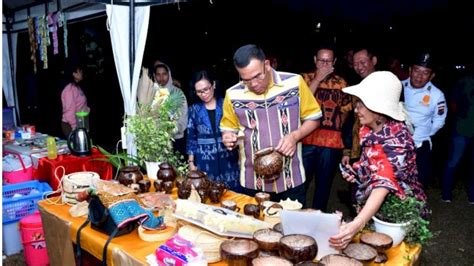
(101, 221)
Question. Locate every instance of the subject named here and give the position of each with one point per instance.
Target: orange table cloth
(131, 250)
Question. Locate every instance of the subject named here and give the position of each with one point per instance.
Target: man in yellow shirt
(268, 109)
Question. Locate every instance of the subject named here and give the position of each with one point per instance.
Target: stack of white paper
(317, 224)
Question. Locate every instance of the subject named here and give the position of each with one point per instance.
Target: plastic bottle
(52, 150)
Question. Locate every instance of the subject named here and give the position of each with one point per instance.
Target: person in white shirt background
(426, 106)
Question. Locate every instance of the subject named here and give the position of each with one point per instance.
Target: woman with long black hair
(73, 100)
(205, 149)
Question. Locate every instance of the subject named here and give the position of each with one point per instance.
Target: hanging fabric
(33, 43)
(62, 22)
(44, 40)
(53, 28)
(38, 37)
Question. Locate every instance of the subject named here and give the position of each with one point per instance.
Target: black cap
(424, 59)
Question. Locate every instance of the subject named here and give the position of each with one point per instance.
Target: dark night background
(200, 34)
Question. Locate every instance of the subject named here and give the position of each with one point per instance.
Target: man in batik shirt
(322, 149)
(268, 109)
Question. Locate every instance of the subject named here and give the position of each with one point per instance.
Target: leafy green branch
(119, 159)
(153, 128)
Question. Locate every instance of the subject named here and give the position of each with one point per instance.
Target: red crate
(71, 164)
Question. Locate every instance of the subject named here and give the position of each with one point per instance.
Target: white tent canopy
(7, 80)
(119, 34)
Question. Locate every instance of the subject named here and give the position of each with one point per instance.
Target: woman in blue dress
(204, 146)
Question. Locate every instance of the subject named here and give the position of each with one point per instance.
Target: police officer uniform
(427, 110)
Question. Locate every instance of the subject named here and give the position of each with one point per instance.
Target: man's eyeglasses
(258, 77)
(203, 91)
(324, 61)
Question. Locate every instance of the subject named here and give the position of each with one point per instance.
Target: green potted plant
(153, 127)
(402, 220)
(128, 166)
(120, 159)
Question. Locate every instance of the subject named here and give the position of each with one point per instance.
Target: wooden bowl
(361, 252)
(337, 259)
(298, 248)
(239, 252)
(268, 163)
(267, 239)
(271, 260)
(380, 241)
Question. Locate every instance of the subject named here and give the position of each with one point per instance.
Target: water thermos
(52, 150)
(79, 143)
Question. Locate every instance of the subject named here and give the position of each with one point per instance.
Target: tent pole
(16, 117)
(132, 39)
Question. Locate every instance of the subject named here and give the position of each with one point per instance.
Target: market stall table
(60, 230)
(34, 147)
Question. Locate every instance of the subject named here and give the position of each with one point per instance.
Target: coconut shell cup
(239, 252)
(298, 248)
(252, 210)
(215, 195)
(268, 163)
(361, 252)
(267, 239)
(278, 227)
(338, 259)
(261, 197)
(380, 241)
(219, 185)
(271, 260)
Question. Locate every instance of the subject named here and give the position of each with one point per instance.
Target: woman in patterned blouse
(388, 161)
(205, 149)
